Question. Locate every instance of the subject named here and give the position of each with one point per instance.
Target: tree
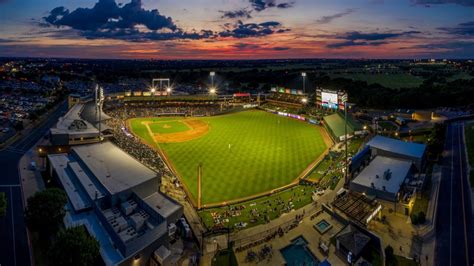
(45, 210)
(74, 246)
(388, 253)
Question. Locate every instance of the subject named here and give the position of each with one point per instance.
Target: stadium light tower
(303, 74)
(212, 74)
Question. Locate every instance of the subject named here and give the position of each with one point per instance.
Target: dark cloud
(281, 48)
(260, 5)
(356, 38)
(328, 19)
(107, 15)
(463, 29)
(454, 49)
(427, 3)
(356, 35)
(353, 43)
(241, 30)
(109, 20)
(245, 46)
(252, 46)
(241, 13)
(131, 22)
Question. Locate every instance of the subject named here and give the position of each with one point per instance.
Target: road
(14, 245)
(454, 234)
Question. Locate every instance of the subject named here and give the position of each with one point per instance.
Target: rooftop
(384, 172)
(162, 205)
(115, 169)
(72, 122)
(353, 239)
(397, 146)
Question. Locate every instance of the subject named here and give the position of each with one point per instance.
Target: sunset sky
(237, 29)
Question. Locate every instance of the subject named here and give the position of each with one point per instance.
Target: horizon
(238, 30)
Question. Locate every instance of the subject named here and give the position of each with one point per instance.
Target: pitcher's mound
(198, 129)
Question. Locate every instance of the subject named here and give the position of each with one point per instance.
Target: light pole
(303, 74)
(212, 74)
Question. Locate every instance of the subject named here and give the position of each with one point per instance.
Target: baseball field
(241, 154)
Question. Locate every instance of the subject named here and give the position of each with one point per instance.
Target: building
(117, 199)
(350, 243)
(382, 178)
(336, 126)
(394, 148)
(80, 125)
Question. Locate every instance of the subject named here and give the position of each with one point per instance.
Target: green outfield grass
(266, 152)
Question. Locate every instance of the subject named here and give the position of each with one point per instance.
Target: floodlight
(303, 74)
(212, 74)
(168, 89)
(365, 127)
(153, 90)
(304, 100)
(212, 91)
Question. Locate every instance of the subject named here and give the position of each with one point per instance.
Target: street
(454, 222)
(14, 247)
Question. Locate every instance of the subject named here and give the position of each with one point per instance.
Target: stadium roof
(336, 124)
(72, 123)
(377, 167)
(115, 169)
(410, 149)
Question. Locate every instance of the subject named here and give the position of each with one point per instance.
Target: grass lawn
(266, 152)
(394, 81)
(224, 258)
(260, 210)
(3, 204)
(469, 135)
(469, 132)
(400, 261)
(164, 127)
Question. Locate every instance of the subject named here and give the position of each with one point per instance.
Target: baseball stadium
(232, 156)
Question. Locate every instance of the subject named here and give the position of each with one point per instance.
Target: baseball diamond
(242, 154)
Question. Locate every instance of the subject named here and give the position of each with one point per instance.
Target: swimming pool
(297, 253)
(322, 226)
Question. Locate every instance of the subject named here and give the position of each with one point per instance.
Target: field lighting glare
(212, 91)
(365, 127)
(153, 90)
(212, 74)
(304, 100)
(303, 74)
(168, 89)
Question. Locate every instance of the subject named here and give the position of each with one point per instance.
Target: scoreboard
(331, 99)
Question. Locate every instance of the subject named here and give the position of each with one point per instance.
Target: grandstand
(335, 126)
(286, 99)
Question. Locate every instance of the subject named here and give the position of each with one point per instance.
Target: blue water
(322, 225)
(297, 254)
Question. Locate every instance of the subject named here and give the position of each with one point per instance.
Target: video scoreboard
(331, 99)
